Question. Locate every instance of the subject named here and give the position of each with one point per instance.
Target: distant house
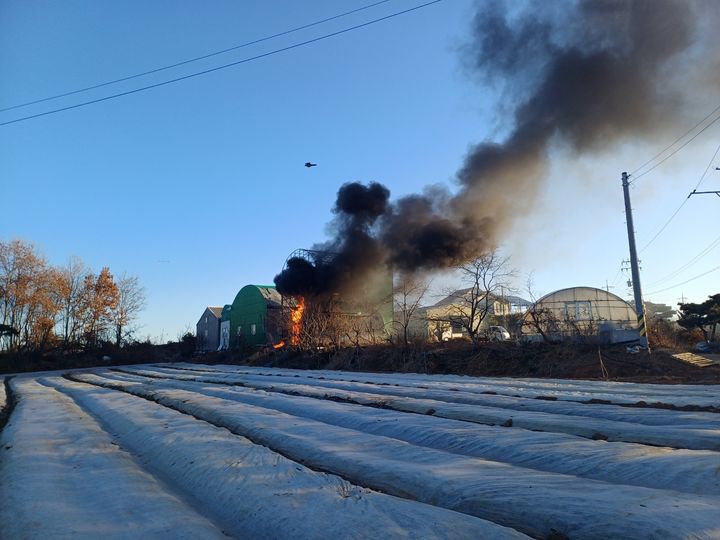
(208, 329)
(659, 311)
(255, 316)
(581, 313)
(449, 318)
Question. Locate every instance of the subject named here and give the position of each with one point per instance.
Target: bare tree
(484, 278)
(130, 302)
(409, 294)
(376, 330)
(319, 325)
(365, 326)
(540, 319)
(69, 290)
(535, 317)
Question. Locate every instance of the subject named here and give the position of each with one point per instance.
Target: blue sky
(198, 188)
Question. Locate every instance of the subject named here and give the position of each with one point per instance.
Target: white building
(582, 314)
(450, 317)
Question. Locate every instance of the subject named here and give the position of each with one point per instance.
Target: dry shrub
(664, 334)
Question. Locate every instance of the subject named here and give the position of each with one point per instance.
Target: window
(578, 311)
(456, 325)
(239, 332)
(252, 329)
(205, 333)
(205, 319)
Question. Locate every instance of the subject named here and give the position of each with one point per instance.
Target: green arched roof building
(255, 316)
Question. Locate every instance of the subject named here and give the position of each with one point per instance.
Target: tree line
(44, 307)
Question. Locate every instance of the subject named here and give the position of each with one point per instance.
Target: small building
(255, 316)
(208, 329)
(449, 318)
(580, 314)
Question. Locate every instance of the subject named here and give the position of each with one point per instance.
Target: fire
(296, 316)
(279, 345)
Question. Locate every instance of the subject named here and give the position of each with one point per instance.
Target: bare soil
(508, 359)
(135, 354)
(561, 361)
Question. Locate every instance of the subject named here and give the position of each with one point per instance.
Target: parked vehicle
(497, 333)
(707, 347)
(492, 333)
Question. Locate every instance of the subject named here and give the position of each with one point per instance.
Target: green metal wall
(249, 308)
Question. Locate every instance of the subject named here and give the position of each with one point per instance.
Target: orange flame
(279, 345)
(296, 316)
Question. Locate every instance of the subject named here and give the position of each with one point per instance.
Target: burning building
(323, 305)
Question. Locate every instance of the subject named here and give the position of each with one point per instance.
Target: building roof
(457, 296)
(517, 300)
(583, 292)
(269, 293)
(453, 297)
(216, 310)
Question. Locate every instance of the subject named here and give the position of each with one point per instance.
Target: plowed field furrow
(648, 416)
(256, 492)
(62, 476)
(615, 392)
(691, 438)
(536, 503)
(622, 463)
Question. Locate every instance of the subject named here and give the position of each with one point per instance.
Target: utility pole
(696, 192)
(637, 291)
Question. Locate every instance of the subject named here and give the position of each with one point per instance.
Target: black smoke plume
(583, 75)
(345, 261)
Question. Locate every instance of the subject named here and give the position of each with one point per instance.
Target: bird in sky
(308, 164)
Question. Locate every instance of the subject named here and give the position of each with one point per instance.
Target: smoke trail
(579, 74)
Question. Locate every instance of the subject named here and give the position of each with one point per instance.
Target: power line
(664, 226)
(671, 154)
(196, 59)
(681, 137)
(702, 177)
(690, 263)
(224, 66)
(686, 281)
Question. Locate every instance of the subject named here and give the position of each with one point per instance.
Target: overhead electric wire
(681, 137)
(685, 200)
(715, 243)
(671, 154)
(664, 226)
(196, 59)
(224, 66)
(686, 281)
